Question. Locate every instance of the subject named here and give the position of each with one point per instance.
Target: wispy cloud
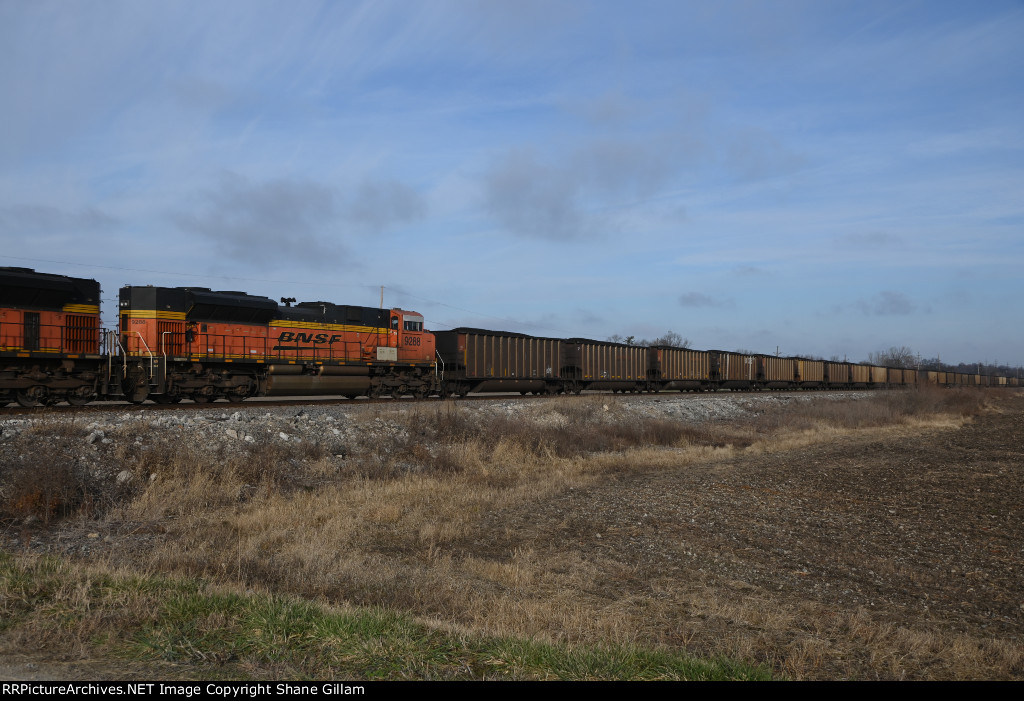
(534, 200)
(294, 218)
(699, 299)
(260, 222)
(888, 303)
(870, 238)
(27, 220)
(570, 197)
(376, 206)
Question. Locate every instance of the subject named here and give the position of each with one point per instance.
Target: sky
(818, 178)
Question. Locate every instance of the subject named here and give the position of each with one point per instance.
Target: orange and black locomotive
(202, 344)
(49, 338)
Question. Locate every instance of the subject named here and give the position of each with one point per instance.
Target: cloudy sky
(829, 178)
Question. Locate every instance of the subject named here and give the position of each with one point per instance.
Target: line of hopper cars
(174, 343)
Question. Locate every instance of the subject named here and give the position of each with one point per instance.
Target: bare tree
(895, 357)
(670, 338)
(901, 357)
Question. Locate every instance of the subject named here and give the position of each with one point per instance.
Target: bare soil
(920, 529)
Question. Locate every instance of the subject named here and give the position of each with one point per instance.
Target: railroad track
(277, 402)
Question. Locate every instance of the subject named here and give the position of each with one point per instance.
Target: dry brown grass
(413, 521)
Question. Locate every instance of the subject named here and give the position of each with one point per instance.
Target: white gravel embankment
(224, 427)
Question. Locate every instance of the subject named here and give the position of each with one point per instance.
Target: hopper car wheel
(234, 398)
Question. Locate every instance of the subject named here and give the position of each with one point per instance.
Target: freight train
(174, 343)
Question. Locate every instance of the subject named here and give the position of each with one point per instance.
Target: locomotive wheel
(25, 400)
(80, 396)
(239, 393)
(204, 395)
(33, 396)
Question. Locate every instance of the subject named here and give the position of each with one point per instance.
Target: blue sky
(827, 178)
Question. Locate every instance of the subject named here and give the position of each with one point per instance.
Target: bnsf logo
(291, 337)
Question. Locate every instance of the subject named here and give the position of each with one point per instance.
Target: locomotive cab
(413, 344)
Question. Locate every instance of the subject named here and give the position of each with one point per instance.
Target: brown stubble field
(876, 538)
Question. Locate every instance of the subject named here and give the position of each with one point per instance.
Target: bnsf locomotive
(175, 343)
(199, 344)
(49, 338)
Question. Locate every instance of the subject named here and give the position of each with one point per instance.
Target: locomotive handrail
(112, 335)
(152, 359)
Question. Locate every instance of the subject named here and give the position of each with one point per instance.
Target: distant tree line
(669, 338)
(904, 357)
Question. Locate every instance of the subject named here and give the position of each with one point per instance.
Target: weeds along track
(189, 405)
